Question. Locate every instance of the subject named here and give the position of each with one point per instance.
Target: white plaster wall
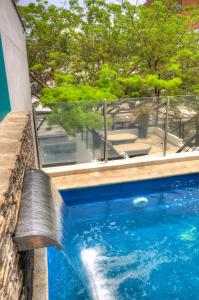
(15, 56)
(171, 138)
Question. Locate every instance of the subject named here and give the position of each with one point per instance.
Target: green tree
(130, 50)
(186, 66)
(107, 51)
(160, 34)
(49, 35)
(75, 106)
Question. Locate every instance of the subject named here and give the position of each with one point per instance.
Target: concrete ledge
(40, 277)
(120, 164)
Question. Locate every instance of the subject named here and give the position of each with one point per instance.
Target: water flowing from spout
(72, 246)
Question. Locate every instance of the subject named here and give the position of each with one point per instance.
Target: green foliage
(67, 92)
(133, 86)
(171, 85)
(37, 67)
(106, 76)
(74, 117)
(63, 79)
(188, 69)
(103, 50)
(101, 42)
(79, 106)
(108, 79)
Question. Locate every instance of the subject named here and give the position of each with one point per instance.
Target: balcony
(116, 130)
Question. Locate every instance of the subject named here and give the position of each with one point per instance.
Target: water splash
(138, 265)
(72, 247)
(91, 259)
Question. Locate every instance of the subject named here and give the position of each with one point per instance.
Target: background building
(15, 92)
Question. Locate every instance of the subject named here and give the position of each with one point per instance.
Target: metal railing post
(36, 139)
(166, 127)
(105, 133)
(197, 129)
(180, 128)
(157, 112)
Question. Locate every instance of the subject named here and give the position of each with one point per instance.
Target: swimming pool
(149, 251)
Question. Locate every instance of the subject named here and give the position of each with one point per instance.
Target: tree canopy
(121, 48)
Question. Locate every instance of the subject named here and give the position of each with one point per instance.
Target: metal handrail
(186, 144)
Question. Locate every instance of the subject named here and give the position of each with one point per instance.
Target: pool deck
(138, 170)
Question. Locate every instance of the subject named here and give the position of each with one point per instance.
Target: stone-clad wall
(16, 154)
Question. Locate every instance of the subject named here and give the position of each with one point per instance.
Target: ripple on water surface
(147, 253)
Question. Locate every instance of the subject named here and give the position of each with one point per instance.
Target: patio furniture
(121, 138)
(133, 149)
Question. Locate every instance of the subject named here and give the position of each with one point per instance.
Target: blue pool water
(133, 252)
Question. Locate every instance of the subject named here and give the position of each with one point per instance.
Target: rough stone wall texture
(16, 155)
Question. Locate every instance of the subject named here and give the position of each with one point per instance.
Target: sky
(60, 2)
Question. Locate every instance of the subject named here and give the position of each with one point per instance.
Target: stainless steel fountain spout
(37, 225)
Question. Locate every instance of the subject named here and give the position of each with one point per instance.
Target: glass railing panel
(92, 131)
(136, 127)
(71, 133)
(183, 124)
